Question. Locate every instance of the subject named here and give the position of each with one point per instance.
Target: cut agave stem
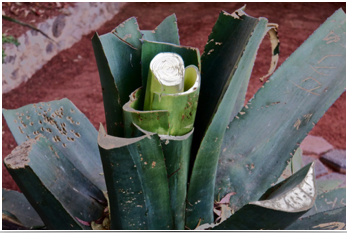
(171, 114)
(165, 76)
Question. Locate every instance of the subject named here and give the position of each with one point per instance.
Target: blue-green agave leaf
(260, 142)
(328, 213)
(226, 63)
(66, 127)
(129, 32)
(294, 166)
(62, 196)
(176, 151)
(324, 186)
(120, 74)
(137, 182)
(17, 207)
(167, 31)
(279, 207)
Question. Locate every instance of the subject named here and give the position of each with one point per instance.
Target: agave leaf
(177, 154)
(296, 161)
(294, 166)
(10, 222)
(328, 212)
(166, 31)
(329, 220)
(117, 81)
(152, 121)
(279, 207)
(327, 201)
(66, 127)
(17, 207)
(324, 186)
(136, 179)
(272, 33)
(176, 151)
(59, 192)
(221, 62)
(281, 114)
(129, 31)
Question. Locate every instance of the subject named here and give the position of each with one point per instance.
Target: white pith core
(168, 68)
(194, 87)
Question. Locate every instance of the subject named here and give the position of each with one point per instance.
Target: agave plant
(181, 150)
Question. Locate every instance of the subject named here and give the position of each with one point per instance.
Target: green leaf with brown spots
(137, 182)
(64, 126)
(61, 195)
(264, 137)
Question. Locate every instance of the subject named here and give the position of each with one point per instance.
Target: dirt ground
(66, 75)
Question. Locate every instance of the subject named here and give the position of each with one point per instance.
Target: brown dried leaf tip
(19, 157)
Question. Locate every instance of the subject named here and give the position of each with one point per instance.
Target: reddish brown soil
(79, 80)
(31, 13)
